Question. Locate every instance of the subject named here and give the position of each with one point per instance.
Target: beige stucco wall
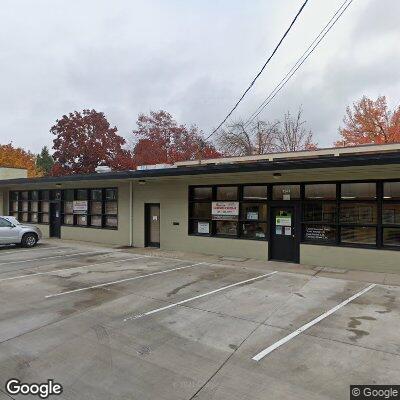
(12, 173)
(350, 258)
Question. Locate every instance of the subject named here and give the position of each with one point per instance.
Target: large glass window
(358, 191)
(230, 211)
(29, 205)
(358, 213)
(358, 235)
(391, 190)
(321, 191)
(391, 237)
(255, 192)
(320, 212)
(227, 193)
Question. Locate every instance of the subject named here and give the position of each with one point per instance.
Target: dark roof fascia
(281, 165)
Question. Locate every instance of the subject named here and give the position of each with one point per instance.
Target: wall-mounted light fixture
(141, 182)
(276, 175)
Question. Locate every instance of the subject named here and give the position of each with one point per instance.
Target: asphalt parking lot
(114, 324)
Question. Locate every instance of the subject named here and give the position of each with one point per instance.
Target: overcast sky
(192, 58)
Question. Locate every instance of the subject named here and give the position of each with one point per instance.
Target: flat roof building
(336, 207)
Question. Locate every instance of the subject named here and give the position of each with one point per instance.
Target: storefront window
(321, 191)
(319, 212)
(391, 237)
(358, 235)
(227, 193)
(358, 213)
(226, 228)
(255, 192)
(358, 191)
(254, 211)
(286, 192)
(391, 213)
(319, 233)
(201, 210)
(391, 190)
(200, 227)
(254, 230)
(202, 193)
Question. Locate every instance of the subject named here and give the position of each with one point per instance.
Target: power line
(301, 60)
(261, 70)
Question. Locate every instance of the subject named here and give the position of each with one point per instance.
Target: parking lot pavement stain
(354, 323)
(389, 304)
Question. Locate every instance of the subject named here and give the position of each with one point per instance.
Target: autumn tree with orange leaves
(369, 121)
(16, 157)
(160, 139)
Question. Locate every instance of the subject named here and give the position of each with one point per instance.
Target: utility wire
(261, 70)
(301, 60)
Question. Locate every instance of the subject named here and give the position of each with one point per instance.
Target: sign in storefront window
(225, 210)
(80, 206)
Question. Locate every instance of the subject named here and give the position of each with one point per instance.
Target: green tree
(44, 161)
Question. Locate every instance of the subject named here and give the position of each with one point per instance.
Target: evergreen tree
(44, 161)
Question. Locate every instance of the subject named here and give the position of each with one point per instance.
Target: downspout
(130, 213)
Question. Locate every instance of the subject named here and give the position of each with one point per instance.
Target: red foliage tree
(370, 121)
(85, 140)
(159, 139)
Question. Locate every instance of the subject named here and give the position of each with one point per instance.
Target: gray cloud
(191, 58)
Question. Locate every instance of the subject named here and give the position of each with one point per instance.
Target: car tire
(29, 240)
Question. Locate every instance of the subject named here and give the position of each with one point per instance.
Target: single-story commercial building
(336, 207)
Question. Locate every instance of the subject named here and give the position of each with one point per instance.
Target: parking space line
(47, 258)
(198, 297)
(123, 280)
(36, 249)
(67, 269)
(297, 332)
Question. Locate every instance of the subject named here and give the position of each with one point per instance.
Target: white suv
(12, 232)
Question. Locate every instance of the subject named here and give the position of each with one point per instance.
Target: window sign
(225, 210)
(80, 206)
(252, 215)
(284, 219)
(203, 227)
(288, 230)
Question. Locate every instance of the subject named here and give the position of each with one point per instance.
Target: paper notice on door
(278, 230)
(288, 230)
(155, 218)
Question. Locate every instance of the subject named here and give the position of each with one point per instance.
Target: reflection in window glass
(254, 211)
(45, 206)
(358, 213)
(68, 219)
(34, 206)
(111, 194)
(45, 218)
(96, 207)
(391, 213)
(96, 195)
(95, 220)
(34, 195)
(25, 217)
(255, 193)
(34, 217)
(286, 192)
(81, 194)
(202, 193)
(391, 236)
(228, 228)
(201, 210)
(15, 205)
(391, 190)
(319, 233)
(227, 193)
(111, 222)
(111, 207)
(362, 191)
(24, 195)
(25, 206)
(358, 235)
(325, 191)
(254, 230)
(68, 207)
(81, 219)
(319, 212)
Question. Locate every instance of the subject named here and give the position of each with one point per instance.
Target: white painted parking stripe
(123, 280)
(297, 332)
(198, 297)
(47, 258)
(35, 250)
(67, 269)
